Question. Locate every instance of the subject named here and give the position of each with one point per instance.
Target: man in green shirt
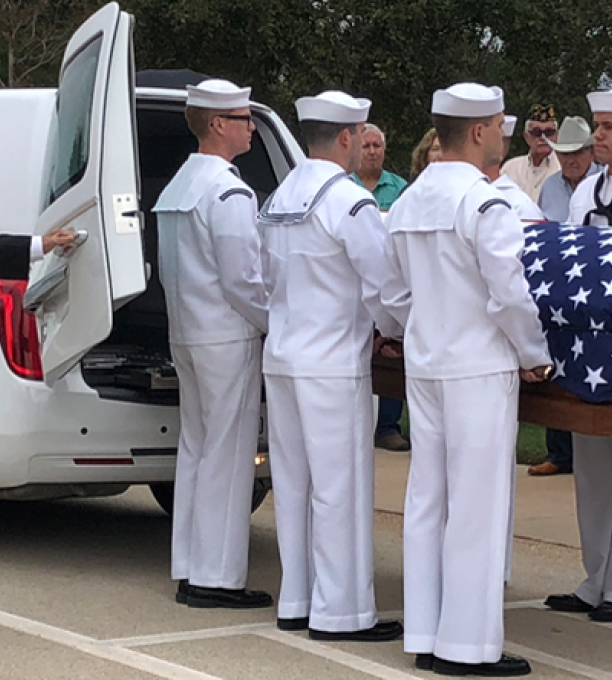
(386, 188)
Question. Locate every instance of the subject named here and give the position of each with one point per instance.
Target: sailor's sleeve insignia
(236, 191)
(491, 202)
(362, 204)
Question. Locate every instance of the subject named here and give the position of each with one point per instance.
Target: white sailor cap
(218, 94)
(333, 107)
(468, 100)
(601, 101)
(508, 125)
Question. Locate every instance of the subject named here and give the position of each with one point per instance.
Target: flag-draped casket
(569, 271)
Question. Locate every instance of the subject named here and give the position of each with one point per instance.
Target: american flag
(569, 271)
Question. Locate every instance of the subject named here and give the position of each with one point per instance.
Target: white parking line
(558, 662)
(353, 661)
(539, 604)
(125, 657)
(525, 604)
(117, 650)
(186, 636)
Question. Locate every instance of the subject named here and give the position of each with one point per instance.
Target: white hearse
(89, 393)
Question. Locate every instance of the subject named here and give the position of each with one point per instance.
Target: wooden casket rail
(540, 404)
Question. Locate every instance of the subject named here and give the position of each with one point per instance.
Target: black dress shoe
(292, 624)
(506, 667)
(383, 631)
(567, 603)
(424, 662)
(602, 612)
(205, 598)
(182, 591)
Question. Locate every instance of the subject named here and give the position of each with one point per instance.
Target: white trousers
(510, 535)
(593, 480)
(220, 392)
(321, 451)
(463, 435)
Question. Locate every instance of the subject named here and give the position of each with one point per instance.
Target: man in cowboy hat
(531, 171)
(591, 204)
(209, 256)
(453, 251)
(574, 149)
(323, 248)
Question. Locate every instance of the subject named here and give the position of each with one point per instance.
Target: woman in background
(427, 151)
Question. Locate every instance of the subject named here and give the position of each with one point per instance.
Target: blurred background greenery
(396, 52)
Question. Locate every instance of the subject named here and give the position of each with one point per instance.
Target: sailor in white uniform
(323, 248)
(591, 204)
(527, 211)
(521, 203)
(454, 251)
(210, 268)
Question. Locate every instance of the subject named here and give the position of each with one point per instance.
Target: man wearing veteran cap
(522, 205)
(323, 248)
(531, 171)
(591, 204)
(209, 253)
(454, 252)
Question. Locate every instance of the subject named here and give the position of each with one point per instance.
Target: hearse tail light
(18, 334)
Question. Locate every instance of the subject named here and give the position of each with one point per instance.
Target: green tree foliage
(33, 34)
(396, 52)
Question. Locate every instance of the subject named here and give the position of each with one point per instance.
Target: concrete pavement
(85, 592)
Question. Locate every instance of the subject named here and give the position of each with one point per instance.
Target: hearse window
(70, 129)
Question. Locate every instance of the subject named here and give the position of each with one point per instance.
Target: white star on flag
(572, 251)
(581, 297)
(542, 289)
(534, 233)
(533, 248)
(537, 266)
(575, 272)
(559, 369)
(607, 242)
(606, 259)
(570, 237)
(557, 316)
(578, 347)
(596, 326)
(568, 227)
(594, 378)
(608, 286)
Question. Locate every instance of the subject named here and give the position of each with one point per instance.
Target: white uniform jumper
(210, 268)
(593, 455)
(527, 211)
(520, 202)
(323, 250)
(456, 254)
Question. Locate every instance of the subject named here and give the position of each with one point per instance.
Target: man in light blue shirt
(574, 149)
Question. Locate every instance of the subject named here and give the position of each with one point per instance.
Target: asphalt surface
(85, 593)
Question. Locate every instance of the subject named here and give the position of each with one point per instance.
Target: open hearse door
(90, 185)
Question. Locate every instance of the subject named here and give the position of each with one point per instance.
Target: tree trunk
(10, 70)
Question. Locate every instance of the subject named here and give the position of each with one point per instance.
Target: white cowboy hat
(574, 134)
